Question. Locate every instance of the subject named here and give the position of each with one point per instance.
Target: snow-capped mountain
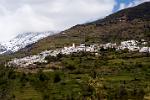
(22, 40)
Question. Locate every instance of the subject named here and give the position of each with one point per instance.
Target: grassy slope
(86, 76)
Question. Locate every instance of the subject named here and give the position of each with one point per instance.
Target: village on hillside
(130, 45)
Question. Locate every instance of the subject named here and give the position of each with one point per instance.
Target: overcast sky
(18, 16)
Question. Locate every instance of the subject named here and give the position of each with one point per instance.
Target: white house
(145, 50)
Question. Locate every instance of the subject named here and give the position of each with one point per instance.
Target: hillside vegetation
(81, 76)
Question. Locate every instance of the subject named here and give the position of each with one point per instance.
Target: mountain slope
(22, 40)
(124, 25)
(141, 12)
(127, 24)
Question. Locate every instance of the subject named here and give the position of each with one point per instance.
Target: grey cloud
(17, 16)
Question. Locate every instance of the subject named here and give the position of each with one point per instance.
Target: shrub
(57, 78)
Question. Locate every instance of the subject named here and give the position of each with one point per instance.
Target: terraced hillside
(111, 75)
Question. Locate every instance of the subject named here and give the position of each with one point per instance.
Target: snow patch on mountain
(2, 49)
(22, 40)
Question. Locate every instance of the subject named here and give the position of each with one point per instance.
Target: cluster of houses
(27, 61)
(82, 47)
(131, 45)
(40, 58)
